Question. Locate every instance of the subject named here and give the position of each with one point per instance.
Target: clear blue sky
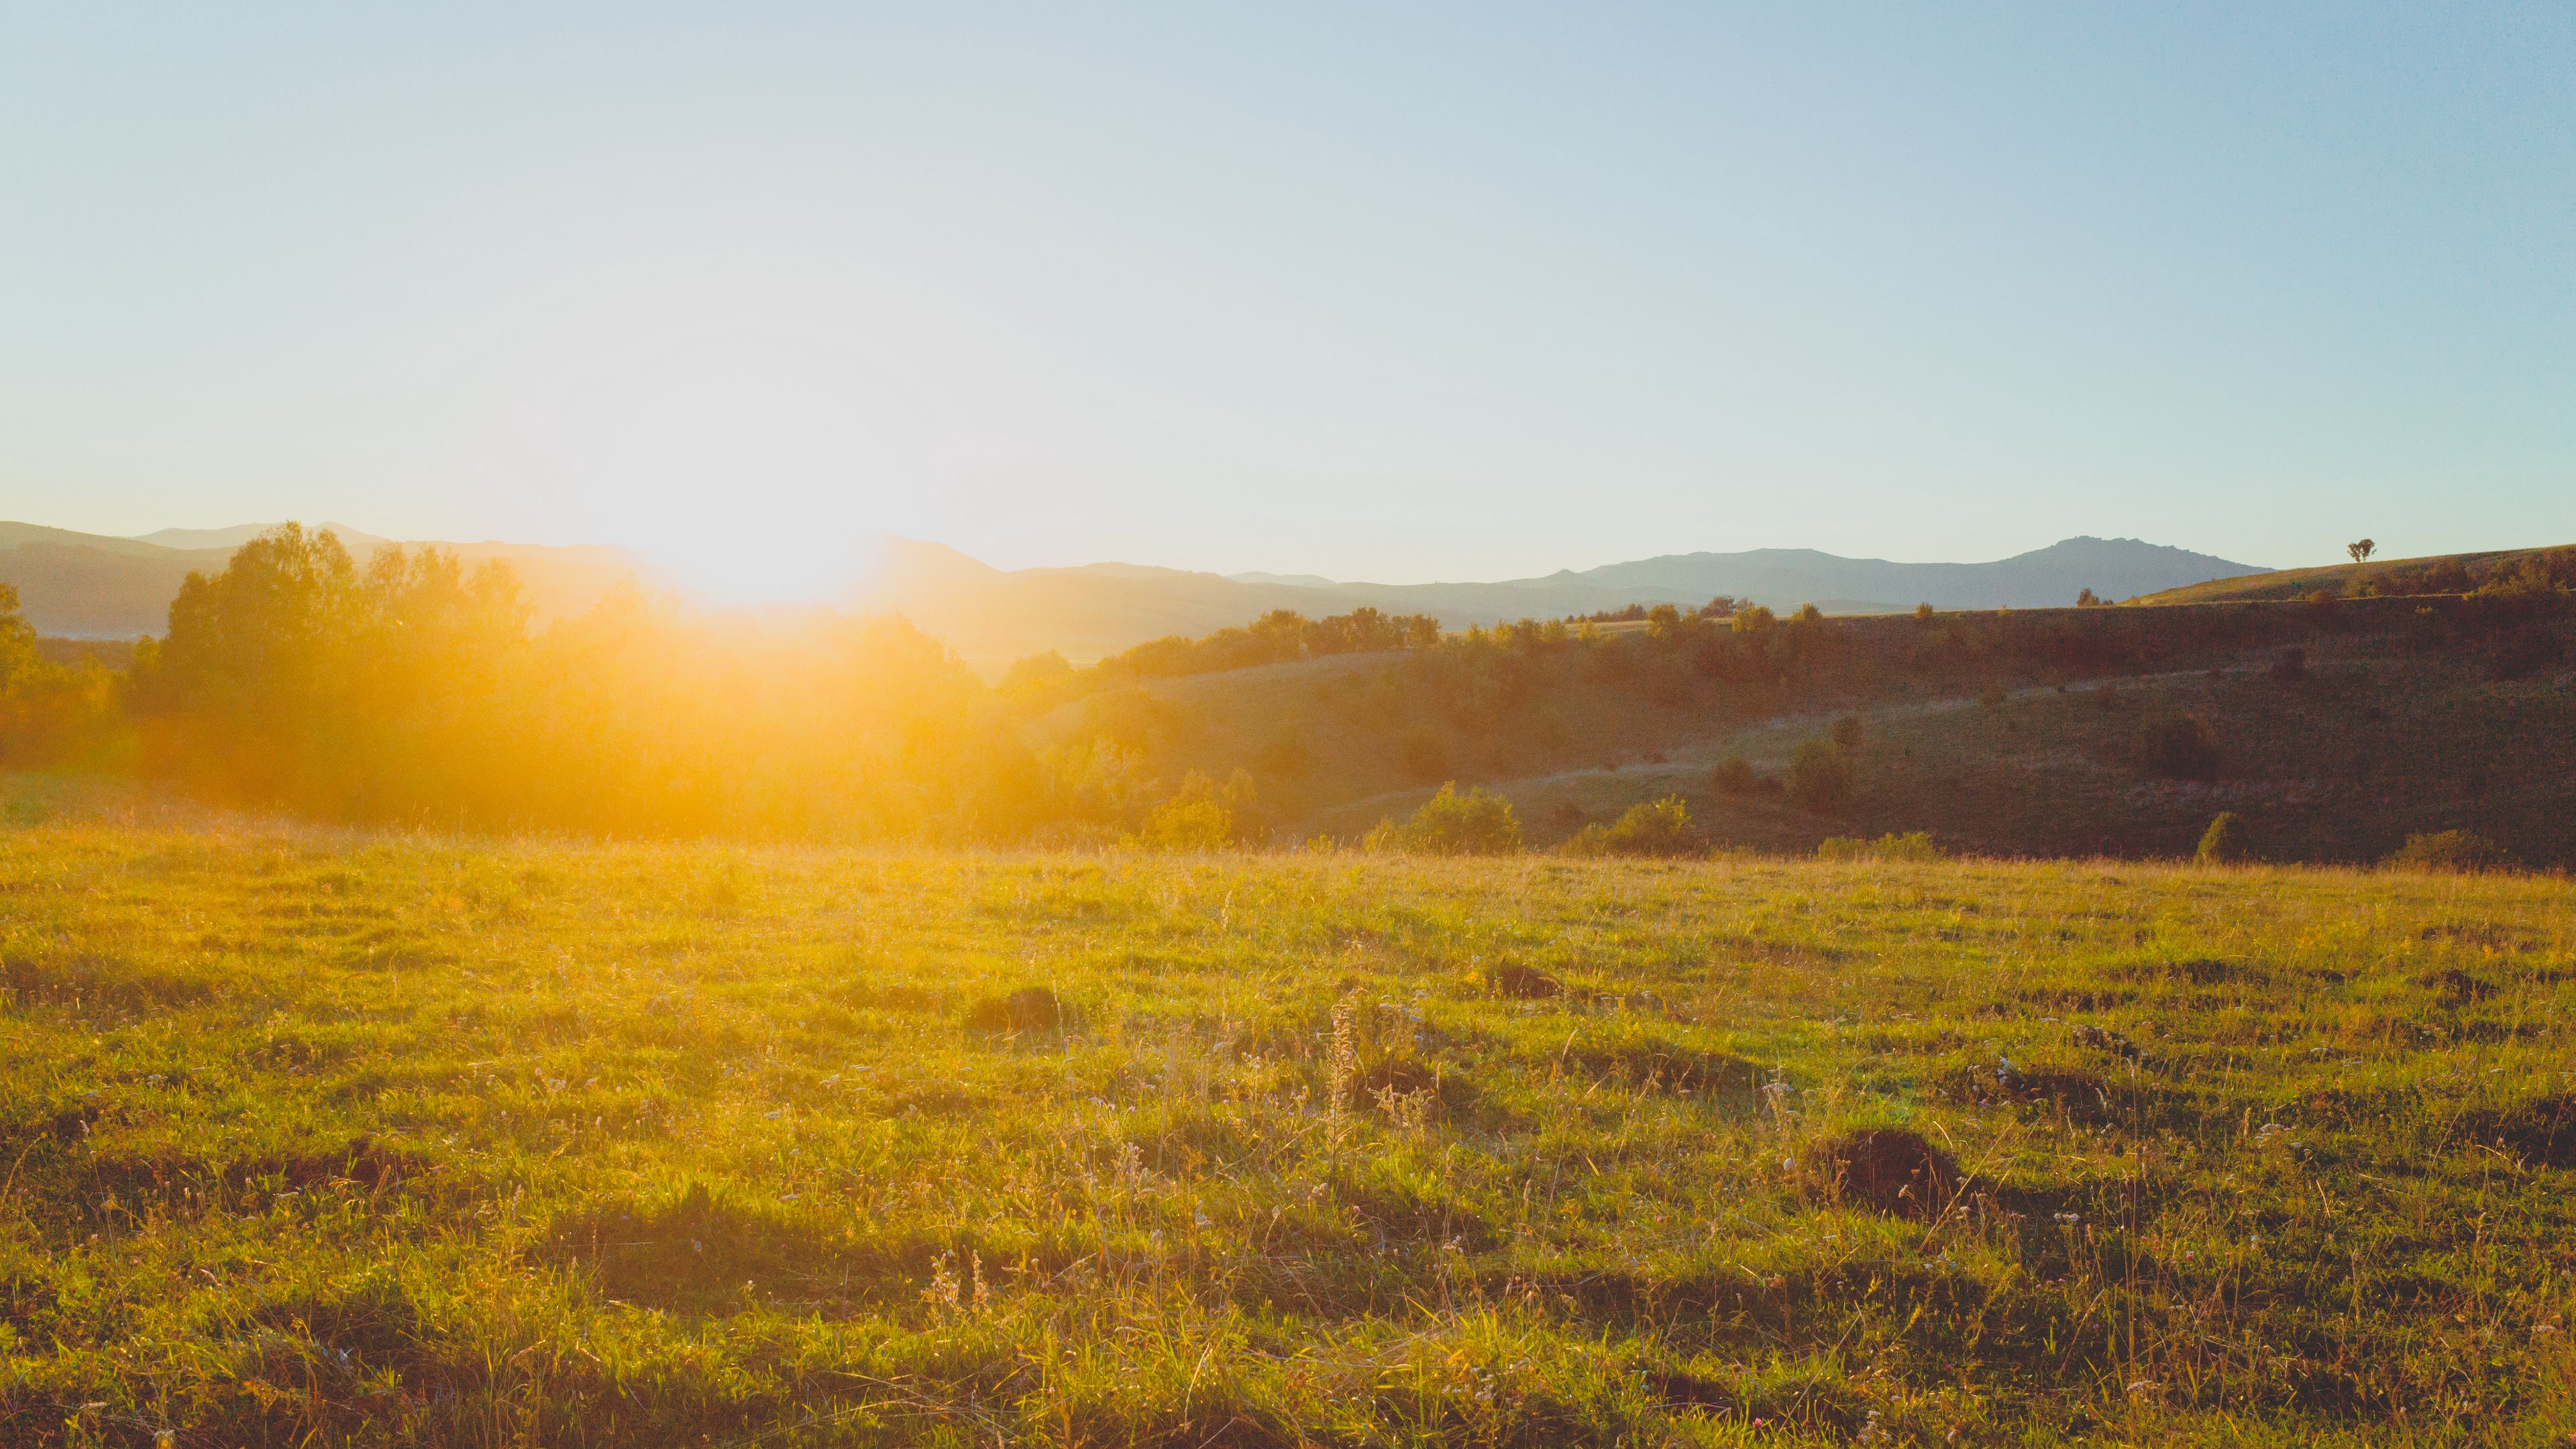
(1394, 292)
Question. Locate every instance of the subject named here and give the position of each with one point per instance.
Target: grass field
(317, 1139)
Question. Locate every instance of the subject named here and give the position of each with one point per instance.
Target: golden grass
(347, 1138)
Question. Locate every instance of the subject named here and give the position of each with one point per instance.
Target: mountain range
(992, 614)
(80, 585)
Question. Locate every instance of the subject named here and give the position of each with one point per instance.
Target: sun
(750, 427)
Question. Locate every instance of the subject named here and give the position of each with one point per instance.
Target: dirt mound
(1891, 1169)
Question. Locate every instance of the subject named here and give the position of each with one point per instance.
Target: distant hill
(2113, 568)
(90, 586)
(994, 615)
(356, 541)
(93, 586)
(2448, 573)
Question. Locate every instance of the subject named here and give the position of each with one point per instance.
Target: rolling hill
(995, 615)
(2334, 734)
(2451, 573)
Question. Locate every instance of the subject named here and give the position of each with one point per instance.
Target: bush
(1203, 817)
(1913, 845)
(2224, 842)
(2452, 850)
(1734, 776)
(1847, 733)
(1660, 827)
(1820, 776)
(1449, 823)
(2292, 666)
(1189, 825)
(2177, 747)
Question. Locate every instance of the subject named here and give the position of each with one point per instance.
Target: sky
(1383, 292)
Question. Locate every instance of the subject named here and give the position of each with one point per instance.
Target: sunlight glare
(749, 427)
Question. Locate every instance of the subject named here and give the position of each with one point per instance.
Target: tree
(2361, 548)
(1820, 776)
(2223, 843)
(48, 712)
(2086, 599)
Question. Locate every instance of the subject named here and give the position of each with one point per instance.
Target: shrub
(1449, 823)
(2452, 850)
(1820, 776)
(1734, 776)
(1187, 824)
(2292, 666)
(1847, 733)
(1591, 840)
(1913, 845)
(2224, 842)
(1203, 817)
(2177, 747)
(1660, 827)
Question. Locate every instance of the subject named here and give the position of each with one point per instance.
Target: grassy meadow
(343, 1138)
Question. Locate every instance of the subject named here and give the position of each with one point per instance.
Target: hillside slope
(2002, 734)
(2454, 573)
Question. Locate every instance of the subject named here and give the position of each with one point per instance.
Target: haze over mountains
(80, 585)
(996, 614)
